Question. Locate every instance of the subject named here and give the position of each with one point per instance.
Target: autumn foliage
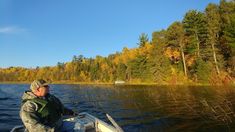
(198, 50)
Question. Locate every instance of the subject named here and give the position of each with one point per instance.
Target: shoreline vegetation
(199, 50)
(137, 84)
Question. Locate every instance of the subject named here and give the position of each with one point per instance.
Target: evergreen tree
(176, 39)
(161, 65)
(194, 23)
(143, 39)
(213, 27)
(203, 71)
(227, 39)
(230, 37)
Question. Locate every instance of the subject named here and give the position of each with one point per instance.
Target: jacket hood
(28, 95)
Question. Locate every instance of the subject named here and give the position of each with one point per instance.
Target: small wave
(4, 114)
(5, 98)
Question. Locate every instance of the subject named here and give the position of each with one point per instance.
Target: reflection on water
(138, 108)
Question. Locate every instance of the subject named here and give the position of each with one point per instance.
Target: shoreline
(104, 83)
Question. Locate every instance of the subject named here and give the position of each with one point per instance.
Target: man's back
(41, 111)
(32, 112)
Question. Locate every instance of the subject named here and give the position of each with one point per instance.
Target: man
(41, 111)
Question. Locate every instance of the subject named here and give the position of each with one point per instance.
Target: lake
(137, 108)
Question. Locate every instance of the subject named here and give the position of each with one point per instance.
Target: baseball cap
(37, 84)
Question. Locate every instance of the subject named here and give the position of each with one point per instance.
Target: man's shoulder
(53, 97)
(29, 105)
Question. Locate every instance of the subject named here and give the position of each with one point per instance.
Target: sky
(44, 32)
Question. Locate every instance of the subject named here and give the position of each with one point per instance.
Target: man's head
(39, 87)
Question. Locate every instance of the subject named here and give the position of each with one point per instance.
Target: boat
(84, 122)
(118, 82)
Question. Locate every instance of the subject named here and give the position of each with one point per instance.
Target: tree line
(198, 49)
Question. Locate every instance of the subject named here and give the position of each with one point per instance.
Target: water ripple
(136, 108)
(5, 98)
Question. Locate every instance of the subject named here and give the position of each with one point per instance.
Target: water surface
(137, 108)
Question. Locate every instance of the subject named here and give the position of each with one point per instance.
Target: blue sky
(44, 32)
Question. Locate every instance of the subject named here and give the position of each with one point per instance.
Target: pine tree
(175, 35)
(161, 65)
(213, 27)
(194, 23)
(227, 39)
(143, 39)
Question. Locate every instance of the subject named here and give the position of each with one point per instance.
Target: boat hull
(82, 123)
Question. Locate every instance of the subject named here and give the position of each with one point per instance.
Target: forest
(199, 49)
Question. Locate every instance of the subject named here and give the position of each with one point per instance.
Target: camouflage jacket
(30, 118)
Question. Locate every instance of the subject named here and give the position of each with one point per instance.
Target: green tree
(176, 39)
(161, 65)
(194, 23)
(203, 71)
(143, 39)
(230, 37)
(121, 72)
(227, 34)
(213, 27)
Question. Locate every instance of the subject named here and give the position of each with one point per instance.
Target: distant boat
(84, 123)
(119, 82)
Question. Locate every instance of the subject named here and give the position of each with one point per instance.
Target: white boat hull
(83, 123)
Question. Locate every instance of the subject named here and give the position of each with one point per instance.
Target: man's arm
(31, 120)
(65, 111)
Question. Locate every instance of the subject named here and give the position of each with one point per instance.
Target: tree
(121, 72)
(161, 68)
(213, 27)
(175, 35)
(143, 39)
(139, 68)
(230, 37)
(194, 23)
(203, 71)
(227, 33)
